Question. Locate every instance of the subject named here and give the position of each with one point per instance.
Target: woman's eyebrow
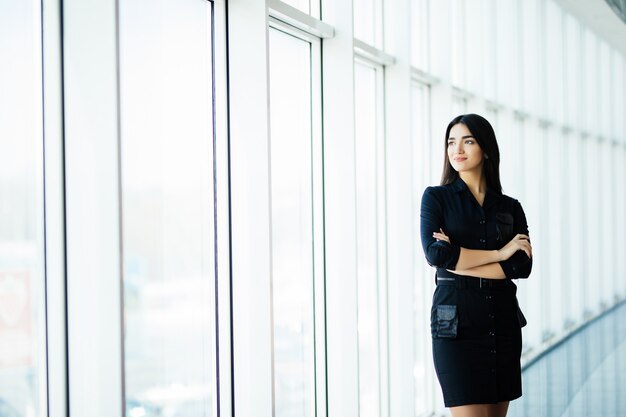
(462, 137)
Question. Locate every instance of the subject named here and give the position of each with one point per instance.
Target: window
(22, 257)
(296, 227)
(310, 7)
(167, 208)
(427, 154)
(371, 237)
(368, 22)
(420, 45)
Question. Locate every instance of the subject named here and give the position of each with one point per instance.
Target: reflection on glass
(367, 240)
(167, 196)
(292, 224)
(22, 280)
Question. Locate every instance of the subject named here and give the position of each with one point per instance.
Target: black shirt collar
(458, 185)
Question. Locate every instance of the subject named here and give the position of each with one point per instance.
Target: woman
(477, 238)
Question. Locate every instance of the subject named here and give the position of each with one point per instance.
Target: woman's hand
(441, 236)
(518, 242)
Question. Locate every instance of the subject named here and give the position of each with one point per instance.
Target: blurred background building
(211, 208)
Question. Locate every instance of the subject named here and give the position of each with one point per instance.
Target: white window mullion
(55, 210)
(224, 336)
(319, 263)
(383, 293)
(250, 208)
(340, 211)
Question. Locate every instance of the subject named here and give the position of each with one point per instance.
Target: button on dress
(476, 330)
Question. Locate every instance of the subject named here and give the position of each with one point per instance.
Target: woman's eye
(450, 143)
(471, 142)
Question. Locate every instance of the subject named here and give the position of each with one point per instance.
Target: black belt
(445, 277)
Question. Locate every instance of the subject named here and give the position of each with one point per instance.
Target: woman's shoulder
(437, 191)
(437, 195)
(509, 201)
(438, 188)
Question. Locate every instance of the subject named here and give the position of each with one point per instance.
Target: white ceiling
(598, 16)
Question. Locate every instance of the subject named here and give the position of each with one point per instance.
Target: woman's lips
(460, 159)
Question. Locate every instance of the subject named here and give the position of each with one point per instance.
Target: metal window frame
(54, 185)
(279, 11)
(372, 54)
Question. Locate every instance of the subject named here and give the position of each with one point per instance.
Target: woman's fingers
(441, 236)
(525, 246)
(521, 241)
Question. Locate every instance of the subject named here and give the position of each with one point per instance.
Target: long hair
(485, 136)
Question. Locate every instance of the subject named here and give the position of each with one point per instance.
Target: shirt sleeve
(519, 264)
(440, 253)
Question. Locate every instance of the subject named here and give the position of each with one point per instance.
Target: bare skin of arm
(492, 271)
(487, 260)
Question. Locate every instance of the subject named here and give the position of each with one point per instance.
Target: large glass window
(532, 290)
(605, 87)
(531, 55)
(297, 251)
(590, 82)
(167, 210)
(574, 242)
(508, 62)
(368, 22)
(420, 34)
(554, 216)
(571, 78)
(554, 55)
(22, 262)
(459, 105)
(426, 157)
(371, 236)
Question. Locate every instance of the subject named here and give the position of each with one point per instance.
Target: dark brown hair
(485, 136)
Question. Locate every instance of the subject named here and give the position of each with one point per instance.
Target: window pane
(22, 280)
(167, 194)
(367, 21)
(424, 150)
(419, 34)
(367, 239)
(292, 224)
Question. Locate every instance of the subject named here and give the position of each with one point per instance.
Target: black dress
(475, 323)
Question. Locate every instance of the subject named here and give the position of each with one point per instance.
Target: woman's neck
(476, 182)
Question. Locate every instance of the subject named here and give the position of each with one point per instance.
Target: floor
(583, 376)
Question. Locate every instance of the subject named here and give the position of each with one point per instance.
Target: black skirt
(477, 340)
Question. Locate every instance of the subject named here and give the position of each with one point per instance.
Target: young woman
(477, 238)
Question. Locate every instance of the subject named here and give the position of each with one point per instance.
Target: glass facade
(293, 269)
(167, 208)
(371, 279)
(237, 203)
(23, 368)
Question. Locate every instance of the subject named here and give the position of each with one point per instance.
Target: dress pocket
(445, 321)
(520, 316)
(504, 226)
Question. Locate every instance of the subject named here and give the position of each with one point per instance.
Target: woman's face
(464, 152)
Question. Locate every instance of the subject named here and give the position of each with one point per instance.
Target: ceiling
(598, 16)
